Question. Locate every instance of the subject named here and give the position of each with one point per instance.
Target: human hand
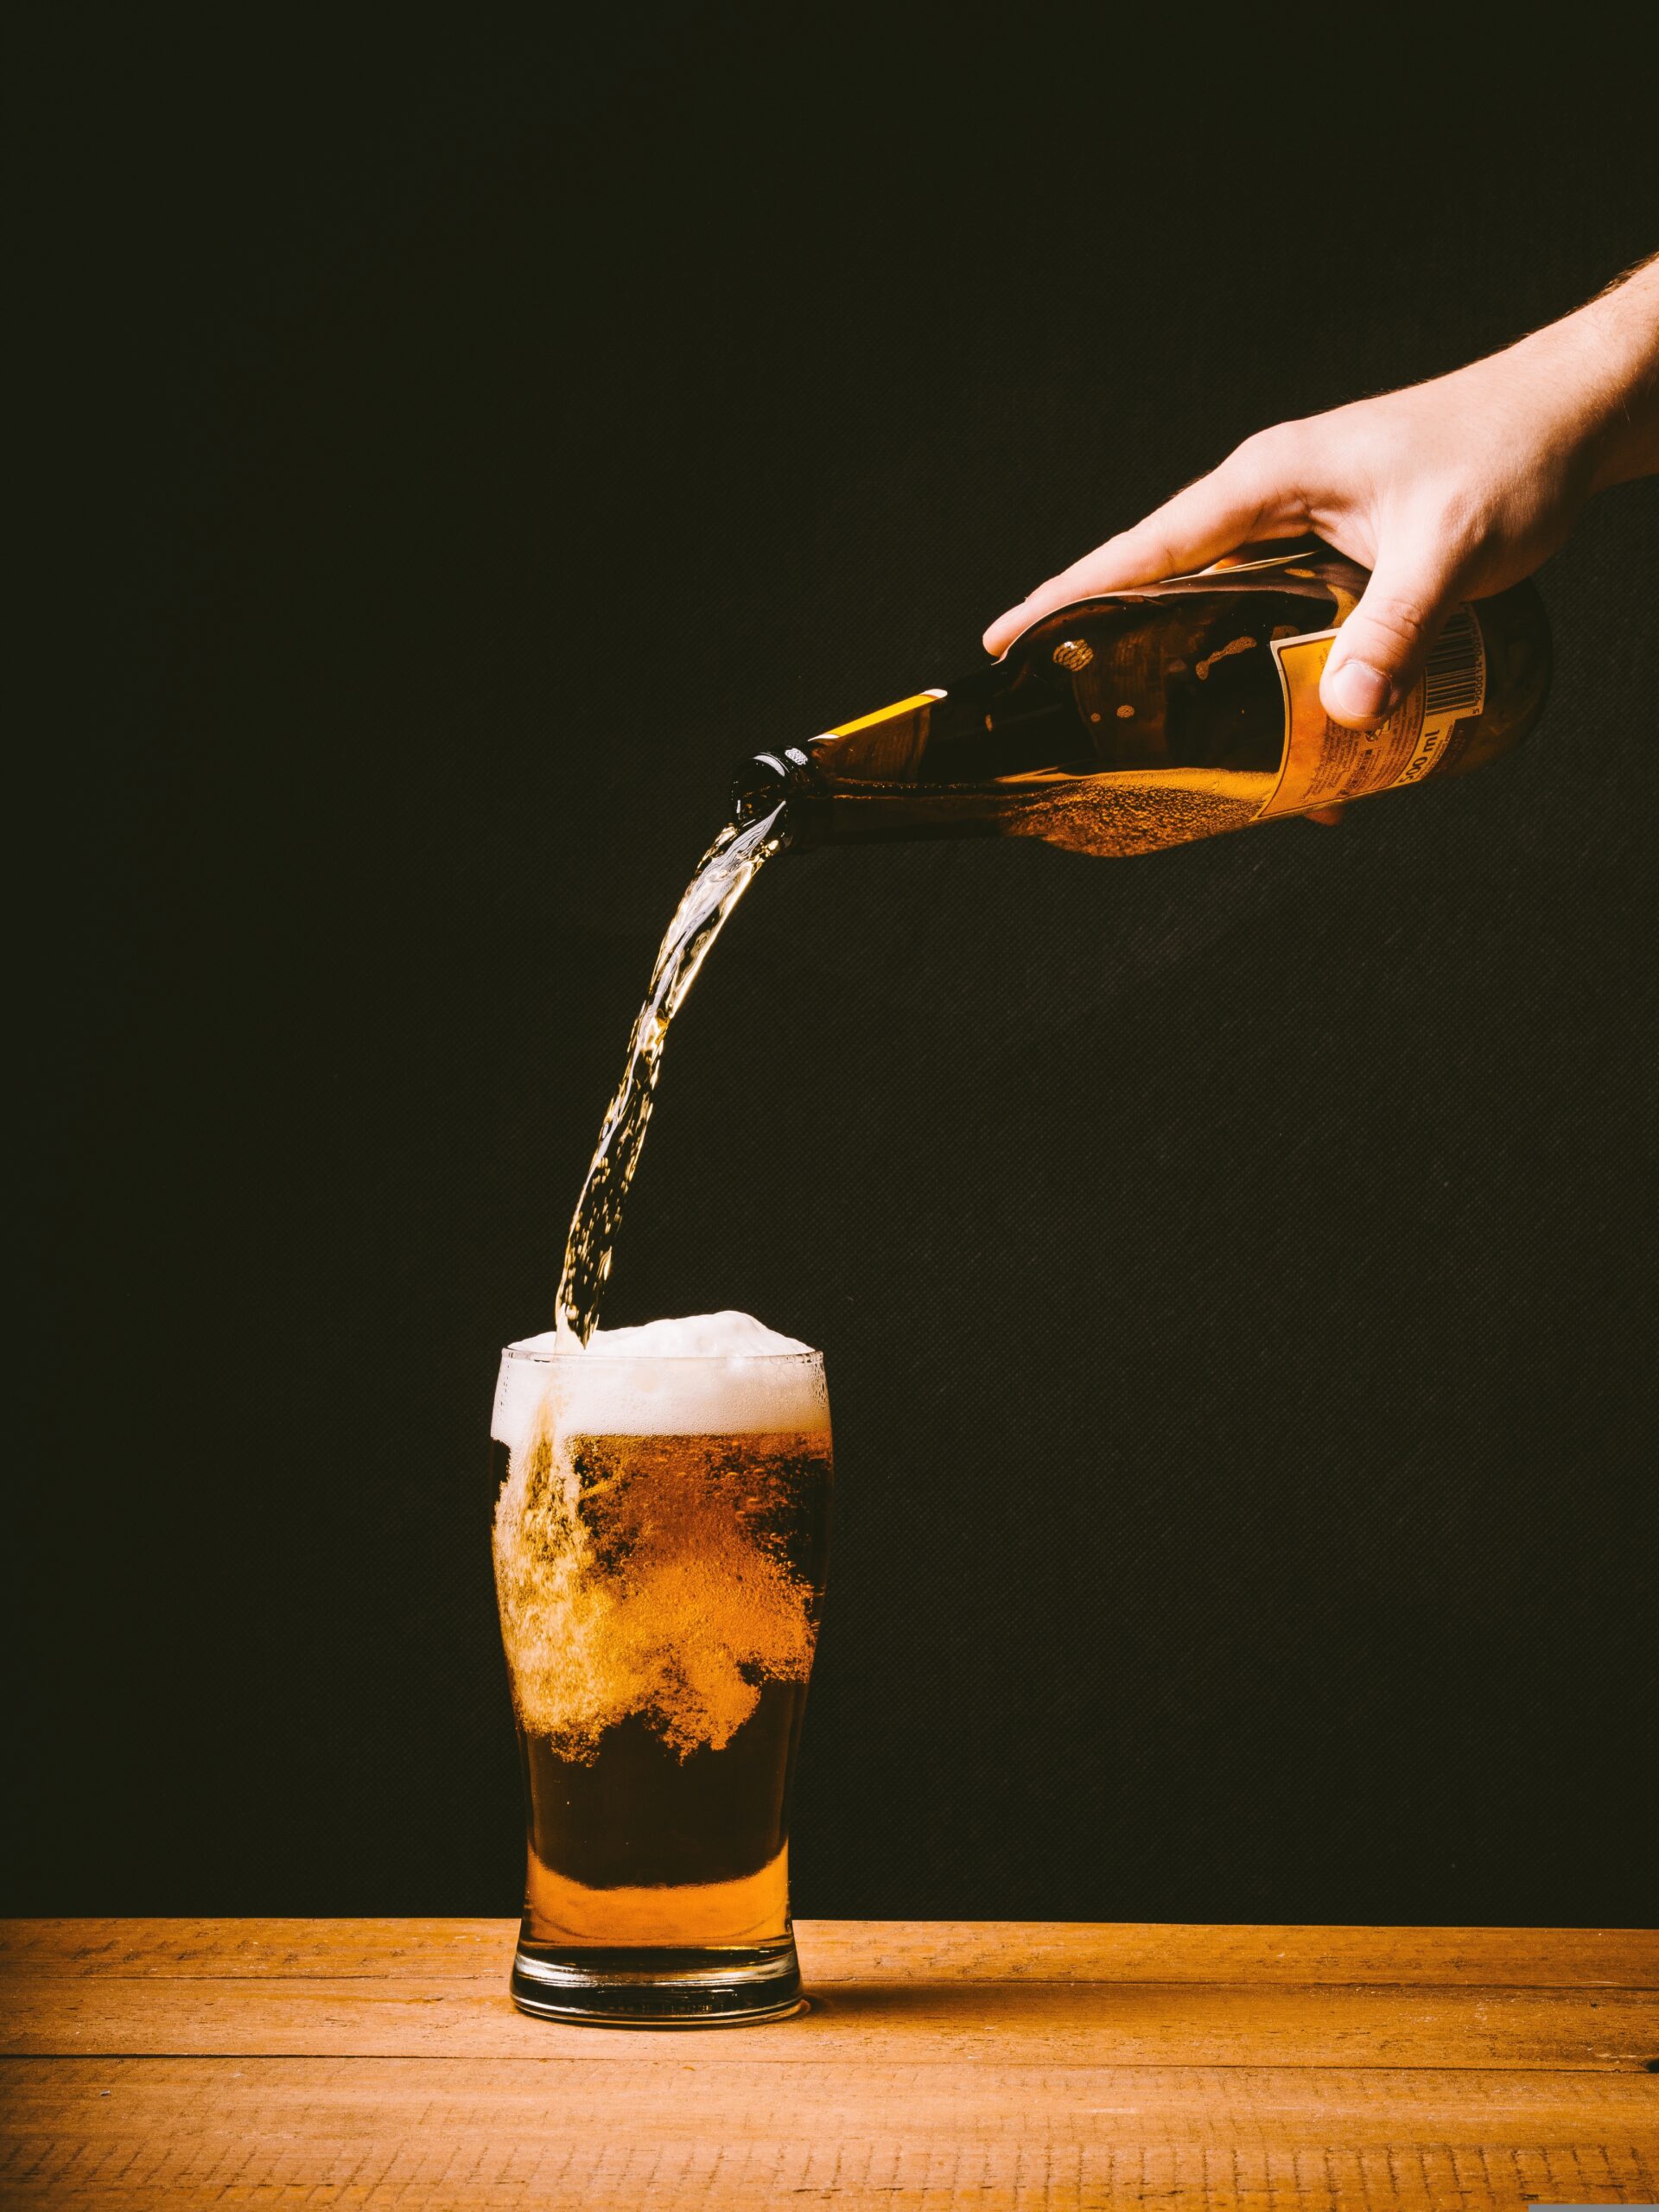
(1448, 491)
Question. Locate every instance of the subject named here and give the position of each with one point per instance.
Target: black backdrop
(1234, 1267)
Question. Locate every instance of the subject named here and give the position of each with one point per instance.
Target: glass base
(715, 1987)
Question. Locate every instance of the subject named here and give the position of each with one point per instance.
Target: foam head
(709, 1374)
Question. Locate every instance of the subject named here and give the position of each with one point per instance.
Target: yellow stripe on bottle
(884, 714)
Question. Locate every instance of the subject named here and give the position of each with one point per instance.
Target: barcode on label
(1455, 682)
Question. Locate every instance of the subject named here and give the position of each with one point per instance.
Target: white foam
(721, 1374)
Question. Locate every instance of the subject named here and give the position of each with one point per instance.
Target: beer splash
(667, 1577)
(722, 876)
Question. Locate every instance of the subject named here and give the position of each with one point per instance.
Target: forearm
(1603, 362)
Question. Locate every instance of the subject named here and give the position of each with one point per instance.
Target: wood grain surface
(379, 2063)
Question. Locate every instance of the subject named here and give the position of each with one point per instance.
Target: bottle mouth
(767, 781)
(759, 785)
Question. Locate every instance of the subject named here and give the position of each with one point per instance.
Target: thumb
(1380, 650)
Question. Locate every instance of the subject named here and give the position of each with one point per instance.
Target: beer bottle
(1149, 717)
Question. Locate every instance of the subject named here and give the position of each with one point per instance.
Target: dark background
(1234, 1265)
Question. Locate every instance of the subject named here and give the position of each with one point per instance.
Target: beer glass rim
(659, 1359)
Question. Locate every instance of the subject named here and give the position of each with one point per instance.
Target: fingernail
(1361, 690)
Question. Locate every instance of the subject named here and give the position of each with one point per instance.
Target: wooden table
(378, 2063)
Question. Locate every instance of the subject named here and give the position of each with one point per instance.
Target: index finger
(1231, 505)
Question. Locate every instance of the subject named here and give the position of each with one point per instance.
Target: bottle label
(1324, 763)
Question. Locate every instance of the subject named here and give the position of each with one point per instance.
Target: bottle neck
(937, 764)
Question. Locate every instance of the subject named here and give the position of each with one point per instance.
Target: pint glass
(660, 1533)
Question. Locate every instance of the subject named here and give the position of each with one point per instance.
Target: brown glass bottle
(1154, 716)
